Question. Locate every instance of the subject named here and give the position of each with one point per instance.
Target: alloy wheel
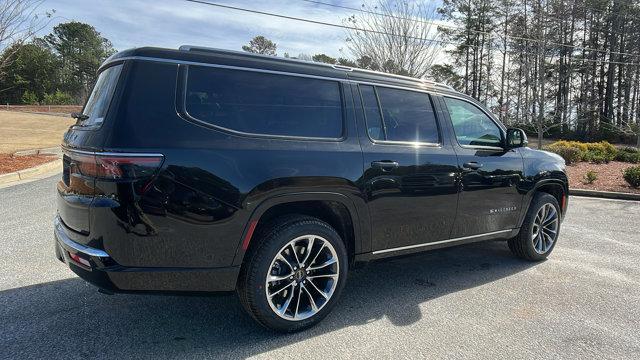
(545, 228)
(302, 277)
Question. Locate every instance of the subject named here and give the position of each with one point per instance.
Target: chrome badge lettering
(502, 210)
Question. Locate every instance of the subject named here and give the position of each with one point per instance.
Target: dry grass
(24, 131)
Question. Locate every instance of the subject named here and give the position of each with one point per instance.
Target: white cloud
(171, 23)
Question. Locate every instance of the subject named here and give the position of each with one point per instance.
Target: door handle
(384, 165)
(472, 165)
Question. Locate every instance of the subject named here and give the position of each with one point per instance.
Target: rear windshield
(98, 103)
(268, 104)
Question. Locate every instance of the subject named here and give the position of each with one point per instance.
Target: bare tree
(398, 36)
(19, 22)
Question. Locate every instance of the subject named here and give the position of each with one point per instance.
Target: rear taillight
(127, 167)
(114, 166)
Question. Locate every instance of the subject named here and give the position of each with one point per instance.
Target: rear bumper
(98, 268)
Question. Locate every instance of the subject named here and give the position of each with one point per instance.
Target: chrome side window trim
(439, 242)
(428, 88)
(482, 147)
(185, 113)
(228, 67)
(394, 142)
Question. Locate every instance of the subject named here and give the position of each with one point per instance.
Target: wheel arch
(555, 187)
(334, 208)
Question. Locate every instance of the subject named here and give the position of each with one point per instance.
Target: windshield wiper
(80, 116)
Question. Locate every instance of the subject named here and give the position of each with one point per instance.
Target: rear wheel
(539, 232)
(293, 279)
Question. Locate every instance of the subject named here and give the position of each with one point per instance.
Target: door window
(406, 116)
(472, 126)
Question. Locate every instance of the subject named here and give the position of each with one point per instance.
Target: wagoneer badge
(501, 210)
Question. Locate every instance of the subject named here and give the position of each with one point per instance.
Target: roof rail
(335, 66)
(409, 78)
(244, 53)
(431, 82)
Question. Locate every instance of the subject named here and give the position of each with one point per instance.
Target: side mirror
(516, 138)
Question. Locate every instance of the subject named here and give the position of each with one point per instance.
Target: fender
(357, 216)
(529, 196)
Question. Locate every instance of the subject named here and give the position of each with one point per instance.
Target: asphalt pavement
(472, 301)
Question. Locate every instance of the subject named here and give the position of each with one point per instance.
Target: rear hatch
(77, 189)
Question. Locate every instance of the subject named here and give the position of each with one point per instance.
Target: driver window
(472, 126)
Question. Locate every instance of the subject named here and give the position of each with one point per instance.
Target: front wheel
(293, 279)
(539, 232)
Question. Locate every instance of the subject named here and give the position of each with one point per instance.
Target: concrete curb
(44, 169)
(56, 150)
(604, 194)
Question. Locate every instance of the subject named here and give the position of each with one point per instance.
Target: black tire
(523, 244)
(251, 283)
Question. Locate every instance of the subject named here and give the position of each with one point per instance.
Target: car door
(489, 200)
(409, 170)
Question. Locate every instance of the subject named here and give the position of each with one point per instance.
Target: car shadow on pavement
(70, 317)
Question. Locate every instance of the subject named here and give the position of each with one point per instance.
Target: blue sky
(171, 23)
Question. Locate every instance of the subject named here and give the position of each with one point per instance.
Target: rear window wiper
(80, 116)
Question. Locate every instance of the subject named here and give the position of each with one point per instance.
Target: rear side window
(98, 103)
(268, 104)
(408, 116)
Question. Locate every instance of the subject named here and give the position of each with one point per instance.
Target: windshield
(98, 103)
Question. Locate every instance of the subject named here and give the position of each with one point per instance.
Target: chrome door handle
(384, 165)
(472, 165)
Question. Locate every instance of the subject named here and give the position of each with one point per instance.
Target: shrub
(600, 152)
(628, 154)
(58, 98)
(29, 98)
(575, 144)
(595, 157)
(569, 154)
(590, 177)
(632, 176)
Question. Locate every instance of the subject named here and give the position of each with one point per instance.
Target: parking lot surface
(472, 301)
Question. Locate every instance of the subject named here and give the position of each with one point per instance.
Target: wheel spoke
(551, 224)
(325, 296)
(549, 241)
(287, 302)
(324, 264)
(551, 217)
(282, 258)
(318, 253)
(295, 253)
(274, 278)
(295, 315)
(322, 276)
(540, 242)
(279, 291)
(314, 307)
(309, 247)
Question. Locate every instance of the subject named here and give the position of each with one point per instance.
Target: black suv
(202, 170)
